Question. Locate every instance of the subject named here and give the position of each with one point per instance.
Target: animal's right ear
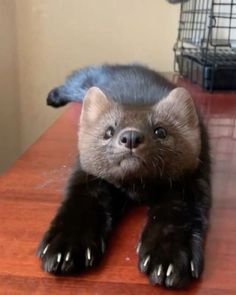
(95, 103)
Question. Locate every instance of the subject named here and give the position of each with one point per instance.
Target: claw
(159, 271)
(88, 253)
(45, 249)
(89, 259)
(138, 248)
(146, 261)
(169, 270)
(58, 257)
(144, 264)
(192, 266)
(67, 256)
(193, 270)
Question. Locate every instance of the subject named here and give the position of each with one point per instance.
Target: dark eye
(109, 133)
(160, 132)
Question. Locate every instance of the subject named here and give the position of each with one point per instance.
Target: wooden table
(31, 189)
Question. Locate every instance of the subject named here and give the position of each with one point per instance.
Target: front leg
(77, 236)
(171, 245)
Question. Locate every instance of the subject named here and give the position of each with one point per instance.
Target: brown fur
(141, 141)
(170, 157)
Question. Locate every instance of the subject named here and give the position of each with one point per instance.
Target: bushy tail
(75, 86)
(123, 83)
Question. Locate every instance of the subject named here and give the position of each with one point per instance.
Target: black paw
(170, 263)
(55, 99)
(64, 252)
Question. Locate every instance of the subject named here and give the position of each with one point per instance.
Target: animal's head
(118, 141)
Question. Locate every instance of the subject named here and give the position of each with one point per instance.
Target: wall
(57, 36)
(9, 104)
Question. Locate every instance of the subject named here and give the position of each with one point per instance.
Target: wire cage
(205, 50)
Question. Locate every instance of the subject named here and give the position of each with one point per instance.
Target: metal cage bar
(206, 42)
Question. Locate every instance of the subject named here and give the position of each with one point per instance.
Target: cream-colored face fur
(168, 157)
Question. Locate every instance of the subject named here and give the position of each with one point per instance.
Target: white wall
(9, 103)
(53, 37)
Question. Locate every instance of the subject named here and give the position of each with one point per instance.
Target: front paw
(170, 262)
(66, 252)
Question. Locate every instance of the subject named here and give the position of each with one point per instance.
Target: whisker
(169, 150)
(160, 159)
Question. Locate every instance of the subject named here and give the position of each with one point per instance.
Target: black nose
(131, 139)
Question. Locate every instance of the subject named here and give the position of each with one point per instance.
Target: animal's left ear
(179, 106)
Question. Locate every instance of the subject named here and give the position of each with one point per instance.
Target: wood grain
(31, 189)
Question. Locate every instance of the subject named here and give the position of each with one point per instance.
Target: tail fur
(123, 83)
(74, 87)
